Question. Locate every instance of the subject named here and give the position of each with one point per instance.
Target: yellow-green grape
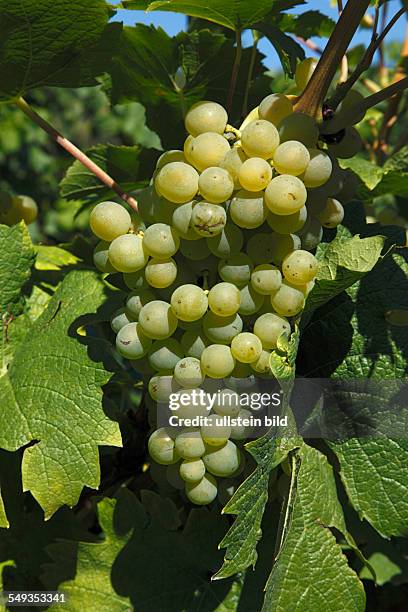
(188, 373)
(275, 107)
(291, 157)
(207, 150)
(285, 195)
(187, 148)
(161, 447)
(251, 301)
(208, 219)
(352, 98)
(189, 303)
(311, 234)
(260, 248)
(299, 127)
(165, 354)
(318, 170)
(181, 221)
(240, 372)
(101, 257)
(177, 182)
(191, 403)
(192, 470)
(193, 343)
(300, 267)
(161, 273)
(255, 174)
(229, 242)
(174, 155)
(215, 185)
(135, 302)
(232, 162)
(202, 492)
(260, 139)
(206, 116)
(246, 347)
(266, 279)
(26, 208)
(288, 301)
(332, 214)
(227, 403)
(222, 461)
(224, 299)
(236, 269)
(173, 476)
(282, 245)
(215, 432)
(248, 209)
(161, 241)
(161, 386)
(217, 361)
(189, 444)
(304, 71)
(127, 253)
(158, 320)
(268, 327)
(287, 224)
(194, 250)
(242, 429)
(261, 366)
(119, 319)
(131, 342)
(349, 146)
(221, 330)
(109, 220)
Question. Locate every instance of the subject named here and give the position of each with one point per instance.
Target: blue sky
(173, 23)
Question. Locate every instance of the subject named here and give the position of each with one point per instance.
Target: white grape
(332, 214)
(101, 257)
(158, 320)
(181, 221)
(227, 403)
(173, 155)
(236, 269)
(241, 431)
(248, 209)
(261, 366)
(352, 98)
(260, 248)
(288, 301)
(255, 174)
(304, 71)
(161, 241)
(300, 267)
(189, 444)
(217, 361)
(222, 461)
(299, 127)
(268, 327)
(206, 116)
(282, 245)
(224, 299)
(275, 107)
(127, 253)
(189, 303)
(215, 185)
(221, 330)
(215, 432)
(119, 319)
(135, 302)
(285, 195)
(26, 208)
(161, 447)
(131, 342)
(135, 280)
(177, 182)
(251, 301)
(287, 224)
(192, 470)
(232, 162)
(202, 492)
(165, 354)
(291, 157)
(193, 343)
(311, 234)
(207, 150)
(318, 170)
(227, 243)
(188, 373)
(266, 279)
(208, 219)
(109, 220)
(161, 273)
(162, 386)
(246, 347)
(260, 139)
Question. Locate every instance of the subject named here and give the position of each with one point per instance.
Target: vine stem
(75, 152)
(344, 69)
(250, 72)
(235, 70)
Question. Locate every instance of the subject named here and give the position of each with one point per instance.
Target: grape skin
(311, 234)
(207, 150)
(232, 162)
(206, 116)
(221, 330)
(268, 327)
(228, 403)
(189, 303)
(288, 301)
(161, 273)
(158, 320)
(304, 71)
(161, 447)
(109, 220)
(188, 374)
(222, 461)
(260, 248)
(299, 127)
(192, 470)
(202, 492)
(349, 146)
(217, 361)
(255, 174)
(229, 242)
(194, 250)
(246, 347)
(193, 343)
(285, 195)
(26, 208)
(161, 241)
(266, 279)
(332, 214)
(101, 257)
(208, 219)
(127, 253)
(131, 342)
(287, 224)
(119, 319)
(181, 221)
(173, 155)
(261, 366)
(177, 182)
(214, 432)
(165, 354)
(291, 157)
(236, 269)
(318, 170)
(189, 444)
(275, 108)
(215, 185)
(224, 299)
(248, 209)
(260, 139)
(300, 267)
(282, 245)
(135, 302)
(251, 301)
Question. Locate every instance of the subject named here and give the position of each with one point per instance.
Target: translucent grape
(246, 347)
(248, 209)
(177, 182)
(300, 267)
(158, 320)
(255, 174)
(161, 241)
(173, 155)
(135, 280)
(232, 162)
(288, 301)
(291, 157)
(127, 253)
(251, 301)
(215, 432)
(287, 224)
(202, 492)
(215, 185)
(208, 219)
(299, 127)
(161, 273)
(282, 245)
(262, 364)
(193, 343)
(206, 116)
(260, 248)
(275, 107)
(318, 170)
(189, 303)
(162, 386)
(227, 403)
(311, 234)
(181, 221)
(349, 146)
(189, 444)
(268, 327)
(165, 354)
(194, 250)
(26, 208)
(221, 330)
(192, 470)
(131, 342)
(304, 71)
(222, 461)
(188, 373)
(236, 269)
(228, 242)
(119, 319)
(109, 220)
(332, 214)
(266, 279)
(240, 376)
(161, 447)
(260, 139)
(224, 299)
(101, 257)
(135, 302)
(217, 361)
(191, 403)
(352, 98)
(241, 431)
(285, 195)
(207, 150)
(187, 148)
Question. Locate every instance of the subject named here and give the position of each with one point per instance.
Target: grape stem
(248, 84)
(235, 70)
(75, 152)
(344, 70)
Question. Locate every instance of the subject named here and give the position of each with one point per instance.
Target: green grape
(232, 162)
(221, 330)
(332, 214)
(215, 432)
(291, 157)
(266, 279)
(240, 372)
(194, 250)
(146, 201)
(189, 303)
(161, 447)
(285, 195)
(109, 220)
(184, 276)
(177, 182)
(304, 71)
(260, 139)
(161, 241)
(255, 174)
(193, 343)
(224, 299)
(318, 170)
(300, 127)
(241, 431)
(275, 108)
(207, 150)
(215, 185)
(288, 301)
(187, 148)
(189, 444)
(236, 269)
(131, 342)
(261, 366)
(202, 492)
(161, 273)
(135, 280)
(246, 347)
(311, 234)
(208, 219)
(127, 253)
(26, 208)
(282, 245)
(165, 354)
(251, 301)
(191, 403)
(101, 257)
(174, 155)
(268, 327)
(206, 116)
(158, 320)
(119, 319)
(181, 221)
(135, 302)
(229, 242)
(173, 476)
(192, 470)
(287, 224)
(300, 267)
(162, 385)
(336, 181)
(349, 146)
(222, 461)
(217, 361)
(248, 209)
(227, 404)
(352, 98)
(260, 248)
(188, 373)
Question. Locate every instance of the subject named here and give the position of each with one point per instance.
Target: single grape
(194, 250)
(224, 299)
(260, 248)
(215, 432)
(240, 377)
(255, 174)
(215, 185)
(217, 361)
(161, 273)
(135, 302)
(193, 343)
(318, 170)
(246, 347)
(261, 366)
(242, 429)
(161, 241)
(248, 209)
(275, 108)
(161, 447)
(349, 146)
(352, 98)
(251, 301)
(190, 404)
(232, 162)
(282, 245)
(189, 303)
(285, 195)
(187, 148)
(101, 257)
(207, 150)
(236, 269)
(208, 219)
(189, 444)
(287, 224)
(165, 354)
(221, 330)
(229, 242)
(162, 385)
(173, 476)
(332, 214)
(184, 276)
(268, 327)
(304, 71)
(131, 342)
(192, 470)
(135, 280)
(206, 116)
(109, 220)
(222, 461)
(311, 234)
(26, 208)
(300, 267)
(227, 403)
(288, 301)
(177, 182)
(266, 279)
(188, 373)
(260, 139)
(174, 155)
(181, 221)
(127, 253)
(158, 320)
(300, 127)
(119, 319)
(202, 492)
(291, 157)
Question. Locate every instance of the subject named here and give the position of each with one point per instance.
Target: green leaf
(288, 50)
(62, 412)
(53, 258)
(16, 258)
(309, 553)
(283, 358)
(369, 173)
(55, 43)
(4, 524)
(307, 25)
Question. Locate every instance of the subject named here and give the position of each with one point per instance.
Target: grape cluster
(218, 262)
(14, 209)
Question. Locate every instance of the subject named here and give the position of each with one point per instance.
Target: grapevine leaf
(52, 42)
(62, 413)
(288, 50)
(306, 25)
(16, 259)
(53, 258)
(283, 359)
(370, 174)
(4, 524)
